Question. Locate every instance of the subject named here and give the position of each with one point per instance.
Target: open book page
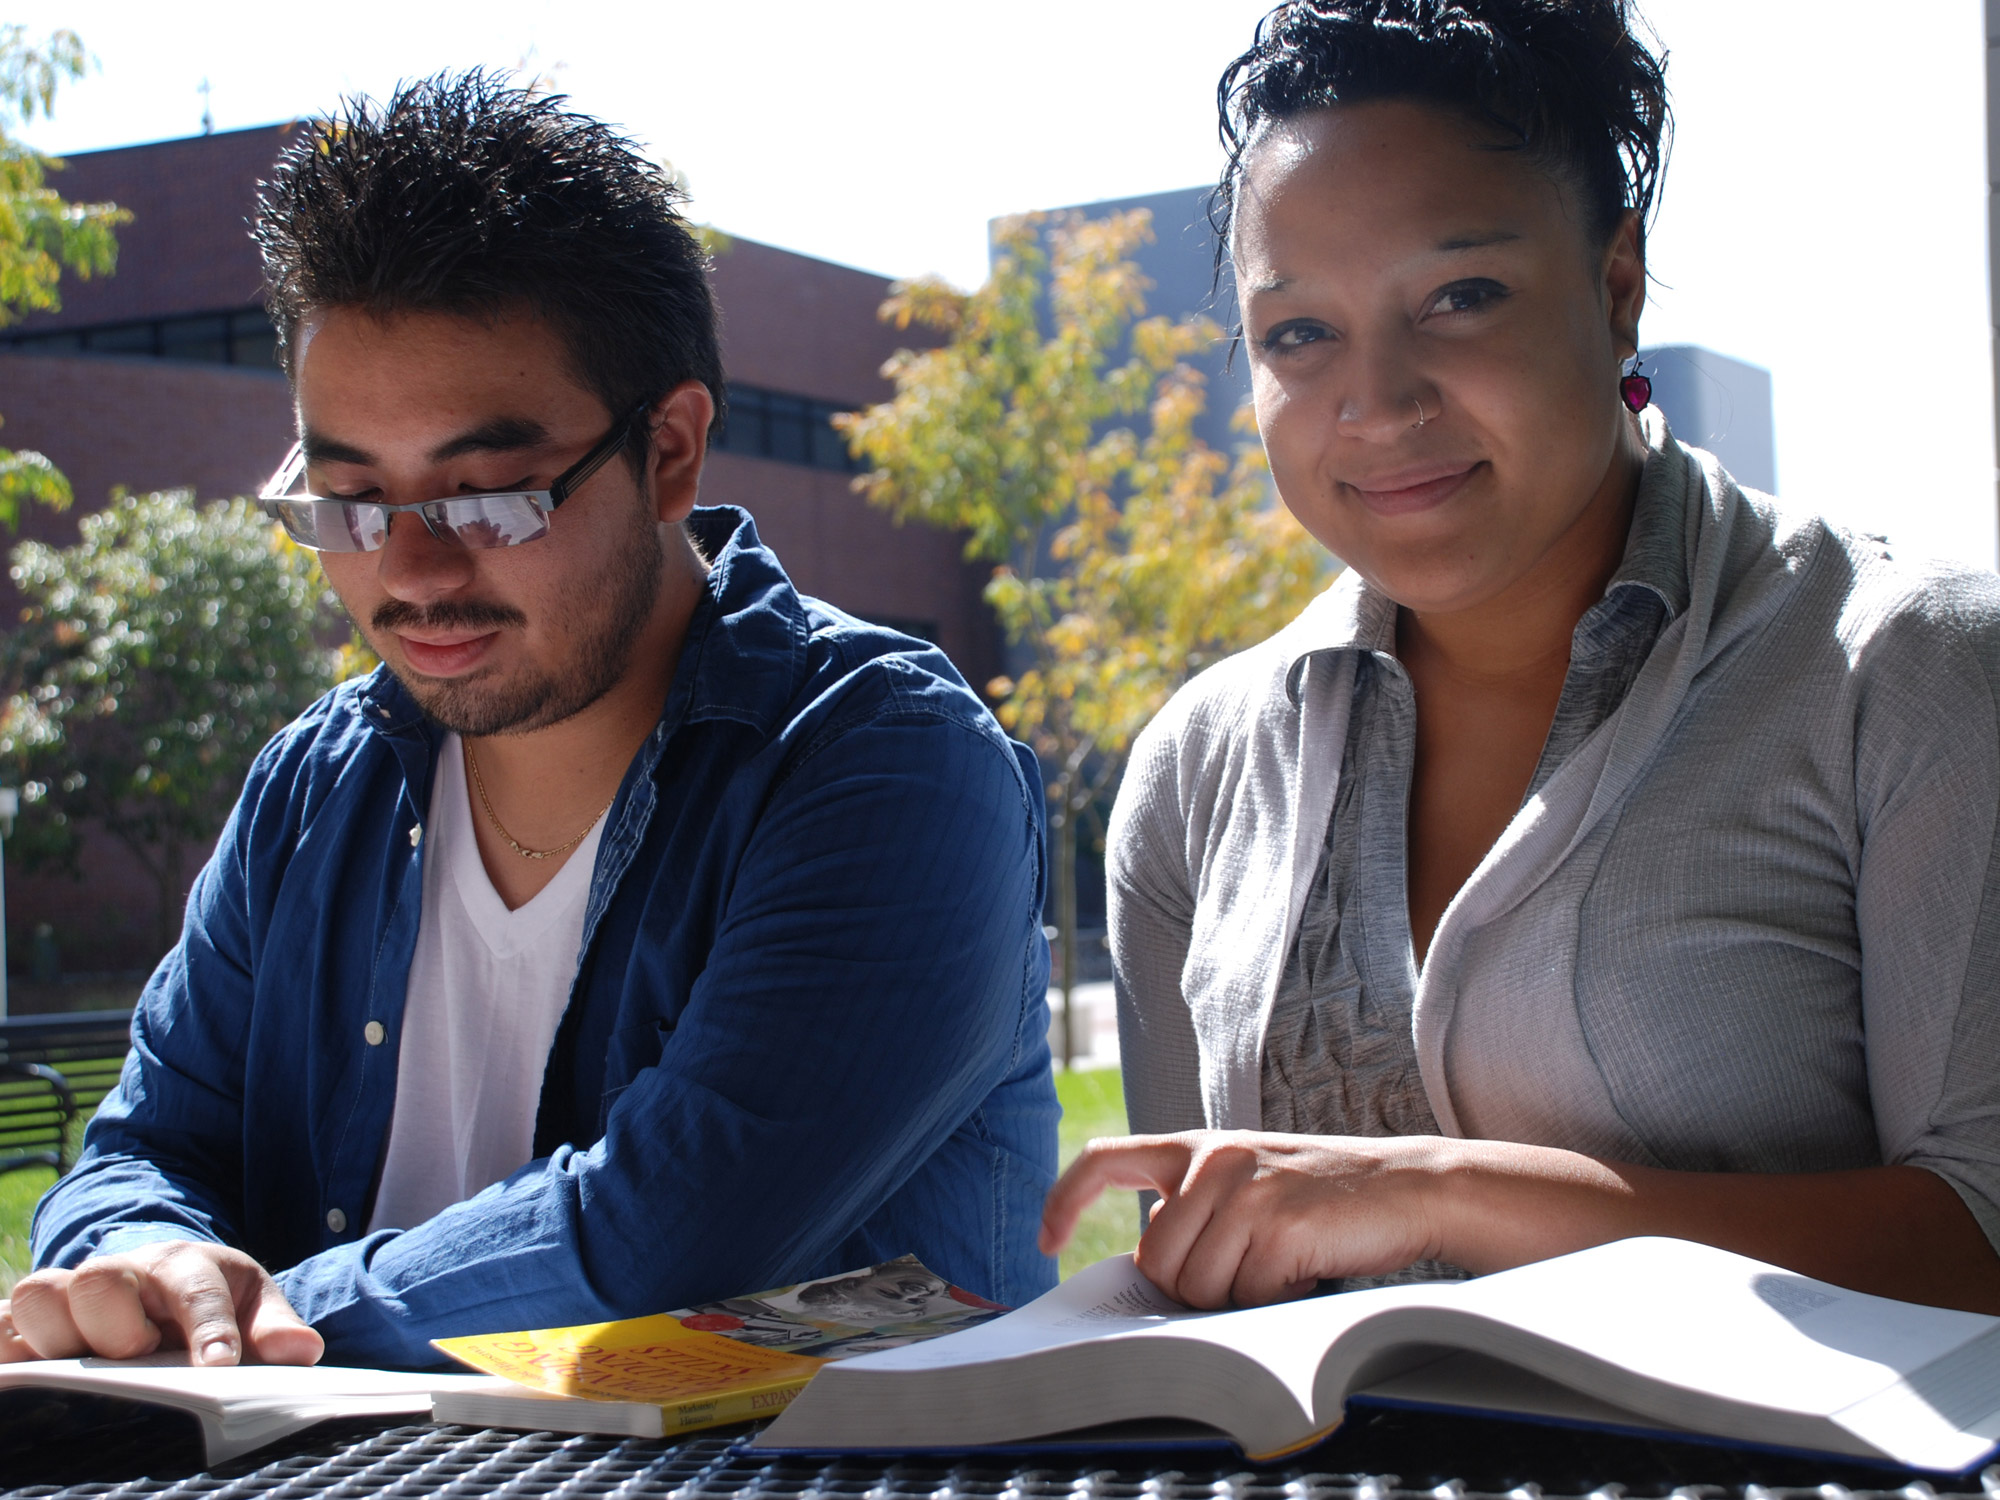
(240, 1407)
(1685, 1332)
(1111, 1297)
(1113, 1302)
(1652, 1333)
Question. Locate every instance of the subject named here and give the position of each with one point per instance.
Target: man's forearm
(117, 1202)
(1899, 1232)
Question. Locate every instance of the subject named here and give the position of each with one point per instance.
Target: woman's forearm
(1899, 1232)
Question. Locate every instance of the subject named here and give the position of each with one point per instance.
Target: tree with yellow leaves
(1124, 559)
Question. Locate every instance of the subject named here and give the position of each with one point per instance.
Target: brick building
(162, 376)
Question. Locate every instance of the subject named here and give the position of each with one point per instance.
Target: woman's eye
(1467, 296)
(1295, 334)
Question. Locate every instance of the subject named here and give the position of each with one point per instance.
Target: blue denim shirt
(808, 1029)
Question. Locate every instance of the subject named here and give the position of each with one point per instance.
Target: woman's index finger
(1156, 1162)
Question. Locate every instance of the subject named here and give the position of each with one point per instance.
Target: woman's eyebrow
(1477, 240)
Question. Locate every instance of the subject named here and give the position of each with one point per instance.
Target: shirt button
(336, 1220)
(374, 1032)
(416, 835)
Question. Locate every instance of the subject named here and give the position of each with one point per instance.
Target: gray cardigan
(1751, 924)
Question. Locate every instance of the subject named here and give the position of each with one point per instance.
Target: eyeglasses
(497, 519)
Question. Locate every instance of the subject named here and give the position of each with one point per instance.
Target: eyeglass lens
(469, 520)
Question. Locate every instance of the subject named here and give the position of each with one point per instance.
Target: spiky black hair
(466, 194)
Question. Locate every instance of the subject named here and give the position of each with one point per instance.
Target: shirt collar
(745, 650)
(1353, 615)
(1656, 546)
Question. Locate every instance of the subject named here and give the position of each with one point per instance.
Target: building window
(789, 429)
(242, 337)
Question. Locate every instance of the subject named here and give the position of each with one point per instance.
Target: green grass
(1093, 1104)
(18, 1192)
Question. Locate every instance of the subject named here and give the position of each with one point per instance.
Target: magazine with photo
(705, 1365)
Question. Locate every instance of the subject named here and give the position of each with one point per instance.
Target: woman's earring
(1636, 389)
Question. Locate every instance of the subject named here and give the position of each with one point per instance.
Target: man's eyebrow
(500, 435)
(321, 449)
(1478, 240)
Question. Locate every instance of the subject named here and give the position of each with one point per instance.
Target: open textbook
(240, 1407)
(1642, 1334)
(644, 1377)
(706, 1365)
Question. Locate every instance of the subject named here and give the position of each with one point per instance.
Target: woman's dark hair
(464, 194)
(1564, 80)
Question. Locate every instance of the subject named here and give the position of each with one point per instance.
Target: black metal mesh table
(1387, 1456)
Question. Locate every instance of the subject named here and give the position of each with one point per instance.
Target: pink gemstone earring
(1636, 389)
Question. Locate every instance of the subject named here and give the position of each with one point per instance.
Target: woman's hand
(1247, 1218)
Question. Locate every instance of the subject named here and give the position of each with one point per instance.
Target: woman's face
(1393, 263)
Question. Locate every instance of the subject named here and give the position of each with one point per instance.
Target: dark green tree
(157, 656)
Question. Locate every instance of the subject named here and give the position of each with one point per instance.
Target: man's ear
(1625, 284)
(678, 424)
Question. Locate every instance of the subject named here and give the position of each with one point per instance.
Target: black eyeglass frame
(285, 509)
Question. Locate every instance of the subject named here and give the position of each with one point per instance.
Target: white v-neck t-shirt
(486, 992)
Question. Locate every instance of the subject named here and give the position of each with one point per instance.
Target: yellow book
(703, 1366)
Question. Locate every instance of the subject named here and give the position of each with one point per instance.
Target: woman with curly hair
(1611, 850)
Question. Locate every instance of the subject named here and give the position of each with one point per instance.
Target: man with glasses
(641, 933)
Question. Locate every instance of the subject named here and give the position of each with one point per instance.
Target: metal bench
(37, 1111)
(54, 1070)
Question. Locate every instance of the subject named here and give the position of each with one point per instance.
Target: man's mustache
(470, 614)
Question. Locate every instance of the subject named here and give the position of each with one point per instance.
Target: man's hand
(180, 1293)
(1249, 1218)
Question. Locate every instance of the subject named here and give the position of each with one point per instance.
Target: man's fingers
(278, 1336)
(13, 1348)
(39, 1310)
(190, 1292)
(216, 1300)
(107, 1305)
(1138, 1161)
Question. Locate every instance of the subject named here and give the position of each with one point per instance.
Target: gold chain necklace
(513, 843)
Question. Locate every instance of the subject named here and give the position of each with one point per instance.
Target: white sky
(1824, 212)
